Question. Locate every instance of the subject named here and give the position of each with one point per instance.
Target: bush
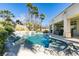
(6, 29)
(3, 36)
(9, 28)
(45, 31)
(9, 23)
(3, 33)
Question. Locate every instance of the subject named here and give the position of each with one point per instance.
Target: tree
(42, 17)
(29, 5)
(35, 11)
(18, 22)
(35, 15)
(6, 29)
(6, 14)
(3, 37)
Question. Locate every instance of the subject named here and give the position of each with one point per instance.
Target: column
(77, 27)
(52, 28)
(67, 27)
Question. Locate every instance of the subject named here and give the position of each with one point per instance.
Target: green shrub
(9, 28)
(9, 23)
(3, 33)
(2, 22)
(45, 31)
(3, 36)
(6, 30)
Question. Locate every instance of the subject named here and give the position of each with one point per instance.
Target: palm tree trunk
(41, 26)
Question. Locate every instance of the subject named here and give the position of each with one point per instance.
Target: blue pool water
(38, 39)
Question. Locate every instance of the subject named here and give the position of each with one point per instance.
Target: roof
(64, 10)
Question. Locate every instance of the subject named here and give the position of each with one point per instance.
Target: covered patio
(74, 27)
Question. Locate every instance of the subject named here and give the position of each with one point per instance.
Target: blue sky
(49, 9)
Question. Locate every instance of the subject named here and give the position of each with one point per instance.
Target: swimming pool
(46, 41)
(38, 39)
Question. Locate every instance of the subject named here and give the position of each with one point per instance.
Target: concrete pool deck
(27, 52)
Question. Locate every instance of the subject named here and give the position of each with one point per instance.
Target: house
(67, 22)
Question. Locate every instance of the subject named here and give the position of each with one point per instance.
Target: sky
(49, 9)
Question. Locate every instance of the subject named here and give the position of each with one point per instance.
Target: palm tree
(35, 14)
(29, 5)
(6, 14)
(35, 11)
(35, 19)
(42, 17)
